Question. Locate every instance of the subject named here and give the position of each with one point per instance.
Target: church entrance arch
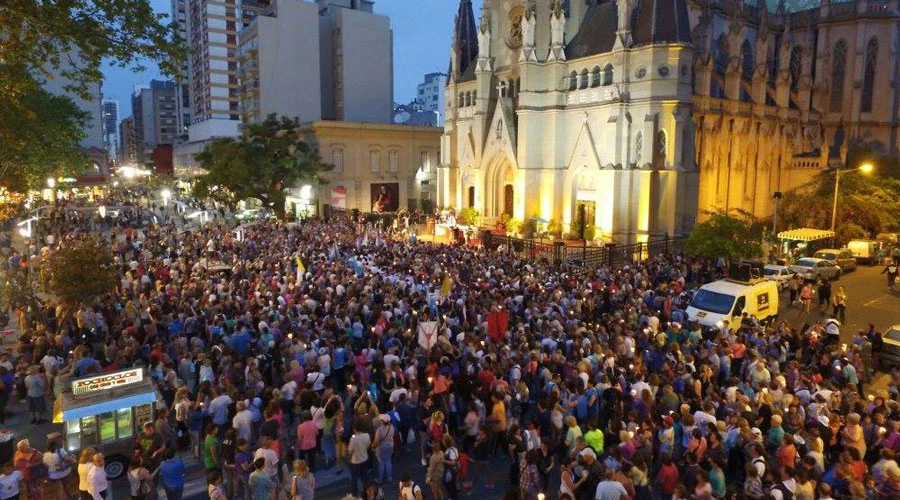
(499, 190)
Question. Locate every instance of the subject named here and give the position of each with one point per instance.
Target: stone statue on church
(484, 41)
(528, 26)
(557, 33)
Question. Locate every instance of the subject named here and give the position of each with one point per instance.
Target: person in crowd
(98, 484)
(172, 476)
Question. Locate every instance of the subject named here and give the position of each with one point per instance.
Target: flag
(428, 334)
(498, 321)
(301, 269)
(365, 241)
(446, 286)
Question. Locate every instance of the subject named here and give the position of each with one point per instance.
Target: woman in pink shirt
(307, 432)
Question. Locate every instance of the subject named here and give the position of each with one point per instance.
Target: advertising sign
(107, 381)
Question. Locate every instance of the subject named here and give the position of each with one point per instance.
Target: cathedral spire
(465, 40)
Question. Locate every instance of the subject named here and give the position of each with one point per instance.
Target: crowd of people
(281, 350)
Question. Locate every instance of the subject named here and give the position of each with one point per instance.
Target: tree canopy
(39, 138)
(867, 204)
(266, 160)
(82, 273)
(72, 39)
(733, 235)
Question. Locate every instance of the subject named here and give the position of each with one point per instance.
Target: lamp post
(166, 195)
(864, 168)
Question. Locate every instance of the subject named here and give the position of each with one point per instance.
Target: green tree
(733, 235)
(82, 273)
(42, 40)
(41, 137)
(266, 160)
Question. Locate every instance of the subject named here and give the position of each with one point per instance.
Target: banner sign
(107, 381)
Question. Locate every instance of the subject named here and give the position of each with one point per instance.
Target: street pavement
(868, 302)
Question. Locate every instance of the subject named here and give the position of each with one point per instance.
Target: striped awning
(805, 234)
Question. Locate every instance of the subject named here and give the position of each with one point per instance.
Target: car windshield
(805, 263)
(716, 302)
(823, 255)
(770, 272)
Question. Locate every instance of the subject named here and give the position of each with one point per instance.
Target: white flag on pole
(428, 332)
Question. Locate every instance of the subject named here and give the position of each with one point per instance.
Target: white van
(864, 250)
(728, 299)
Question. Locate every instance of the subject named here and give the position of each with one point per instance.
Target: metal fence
(562, 254)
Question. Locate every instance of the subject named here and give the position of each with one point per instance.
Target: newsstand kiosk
(107, 411)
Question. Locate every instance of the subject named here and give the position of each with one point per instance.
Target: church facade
(639, 116)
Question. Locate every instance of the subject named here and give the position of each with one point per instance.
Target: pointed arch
(720, 65)
(746, 60)
(584, 78)
(660, 149)
(607, 75)
(868, 88)
(796, 67)
(573, 80)
(838, 74)
(595, 76)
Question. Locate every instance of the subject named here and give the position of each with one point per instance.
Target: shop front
(106, 412)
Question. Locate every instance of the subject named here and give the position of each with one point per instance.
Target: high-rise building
(274, 80)
(212, 37)
(356, 47)
(182, 85)
(430, 95)
(128, 148)
(111, 126)
(155, 114)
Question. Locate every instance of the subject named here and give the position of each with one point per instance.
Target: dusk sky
(422, 34)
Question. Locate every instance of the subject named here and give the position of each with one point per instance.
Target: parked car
(779, 274)
(865, 250)
(812, 269)
(890, 350)
(843, 258)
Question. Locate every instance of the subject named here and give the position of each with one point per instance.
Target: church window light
(662, 146)
(584, 78)
(838, 74)
(796, 67)
(607, 75)
(638, 146)
(595, 76)
(868, 88)
(573, 80)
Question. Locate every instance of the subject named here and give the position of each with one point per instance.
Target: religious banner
(428, 333)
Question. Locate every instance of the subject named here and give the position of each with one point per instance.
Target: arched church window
(474, 97)
(468, 98)
(868, 89)
(838, 74)
(502, 89)
(662, 146)
(511, 92)
(796, 67)
(595, 76)
(772, 61)
(573, 80)
(462, 100)
(720, 64)
(607, 75)
(746, 60)
(638, 147)
(584, 78)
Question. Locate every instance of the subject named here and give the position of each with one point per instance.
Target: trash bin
(7, 447)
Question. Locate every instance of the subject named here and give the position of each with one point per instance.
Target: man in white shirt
(243, 421)
(359, 455)
(266, 452)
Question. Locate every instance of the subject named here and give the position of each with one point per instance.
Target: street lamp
(166, 195)
(864, 168)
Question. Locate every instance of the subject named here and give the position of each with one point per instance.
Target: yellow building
(377, 167)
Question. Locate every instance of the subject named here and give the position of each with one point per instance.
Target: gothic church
(637, 116)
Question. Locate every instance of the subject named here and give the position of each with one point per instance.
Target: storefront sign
(107, 381)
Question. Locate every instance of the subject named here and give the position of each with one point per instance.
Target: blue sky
(422, 35)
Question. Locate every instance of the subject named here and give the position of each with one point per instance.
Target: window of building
(374, 161)
(662, 146)
(393, 161)
(838, 74)
(796, 67)
(595, 76)
(425, 161)
(502, 89)
(337, 159)
(638, 147)
(608, 74)
(868, 88)
(584, 78)
(573, 80)
(746, 60)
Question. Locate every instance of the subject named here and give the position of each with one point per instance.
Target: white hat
(587, 452)
(824, 420)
